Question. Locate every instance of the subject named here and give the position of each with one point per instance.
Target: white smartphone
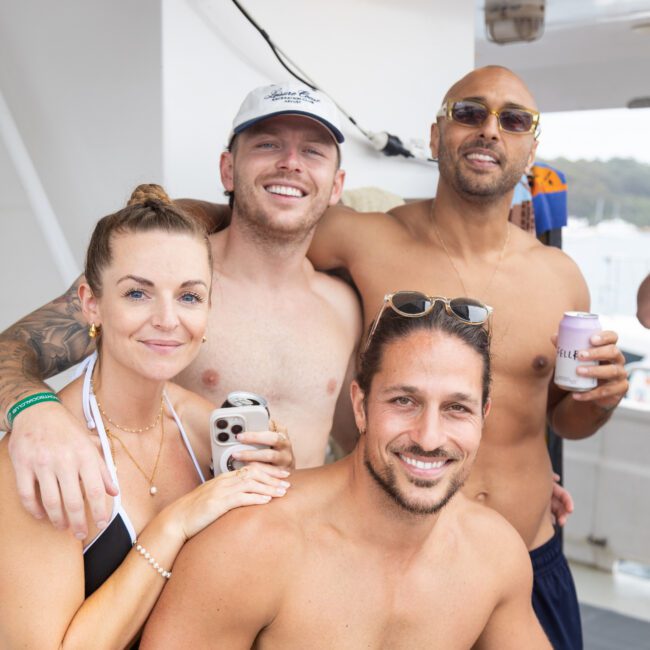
(225, 424)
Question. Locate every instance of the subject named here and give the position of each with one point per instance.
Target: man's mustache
(438, 452)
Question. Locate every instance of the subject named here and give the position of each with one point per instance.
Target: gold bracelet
(147, 556)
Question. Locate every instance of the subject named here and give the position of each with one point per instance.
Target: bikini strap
(94, 420)
(179, 424)
(87, 366)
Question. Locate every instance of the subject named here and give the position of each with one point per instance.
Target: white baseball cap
(288, 99)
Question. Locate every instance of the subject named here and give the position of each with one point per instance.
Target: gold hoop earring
(93, 331)
(204, 339)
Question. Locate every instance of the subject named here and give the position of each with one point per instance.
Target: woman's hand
(255, 484)
(279, 452)
(561, 502)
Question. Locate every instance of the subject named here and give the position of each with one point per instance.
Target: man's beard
(266, 228)
(476, 186)
(386, 479)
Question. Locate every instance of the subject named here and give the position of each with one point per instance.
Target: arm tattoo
(48, 341)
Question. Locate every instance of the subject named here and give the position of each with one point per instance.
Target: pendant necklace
(112, 436)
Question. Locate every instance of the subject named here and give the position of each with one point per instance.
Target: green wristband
(31, 400)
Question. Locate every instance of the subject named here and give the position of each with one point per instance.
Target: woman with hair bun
(146, 297)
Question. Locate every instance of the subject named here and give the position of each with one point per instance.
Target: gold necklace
(483, 294)
(119, 426)
(152, 488)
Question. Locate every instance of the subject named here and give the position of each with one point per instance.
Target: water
(614, 257)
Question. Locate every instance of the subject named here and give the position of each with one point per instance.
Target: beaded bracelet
(28, 401)
(147, 556)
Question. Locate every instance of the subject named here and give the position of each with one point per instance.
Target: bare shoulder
(42, 578)
(494, 539)
(310, 490)
(279, 522)
(550, 265)
(552, 257)
(247, 543)
(413, 216)
(349, 220)
(17, 524)
(343, 235)
(282, 523)
(239, 569)
(186, 401)
(340, 296)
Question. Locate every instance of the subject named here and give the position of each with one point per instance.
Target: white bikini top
(94, 421)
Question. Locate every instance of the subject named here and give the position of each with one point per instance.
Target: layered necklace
(483, 293)
(112, 436)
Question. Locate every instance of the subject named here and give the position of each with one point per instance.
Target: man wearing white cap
(287, 99)
(278, 328)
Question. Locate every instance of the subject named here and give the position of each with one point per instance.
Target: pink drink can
(576, 328)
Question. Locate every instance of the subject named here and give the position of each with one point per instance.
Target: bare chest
(252, 346)
(294, 353)
(528, 305)
(357, 605)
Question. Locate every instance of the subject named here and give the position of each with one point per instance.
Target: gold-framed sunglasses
(474, 113)
(414, 304)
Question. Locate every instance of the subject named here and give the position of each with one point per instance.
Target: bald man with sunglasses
(461, 244)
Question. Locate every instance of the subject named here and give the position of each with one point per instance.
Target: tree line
(599, 190)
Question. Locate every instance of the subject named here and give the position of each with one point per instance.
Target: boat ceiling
(593, 54)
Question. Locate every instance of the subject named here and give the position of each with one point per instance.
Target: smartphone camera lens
(222, 424)
(223, 436)
(237, 428)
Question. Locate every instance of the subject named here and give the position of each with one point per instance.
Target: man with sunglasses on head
(271, 313)
(379, 550)
(461, 243)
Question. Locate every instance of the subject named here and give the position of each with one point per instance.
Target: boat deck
(615, 609)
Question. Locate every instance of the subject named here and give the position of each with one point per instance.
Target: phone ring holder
(229, 464)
